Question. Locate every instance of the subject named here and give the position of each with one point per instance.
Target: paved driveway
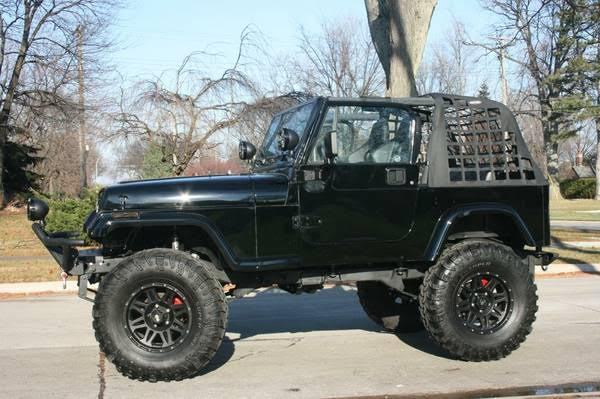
(308, 346)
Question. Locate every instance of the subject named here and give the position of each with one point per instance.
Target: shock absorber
(175, 244)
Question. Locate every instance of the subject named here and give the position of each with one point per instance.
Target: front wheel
(160, 315)
(478, 301)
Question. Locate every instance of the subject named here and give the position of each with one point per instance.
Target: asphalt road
(308, 346)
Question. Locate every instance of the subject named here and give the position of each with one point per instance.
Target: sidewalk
(555, 270)
(576, 225)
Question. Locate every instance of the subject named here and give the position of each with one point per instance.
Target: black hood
(192, 192)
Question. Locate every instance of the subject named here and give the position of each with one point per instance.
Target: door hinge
(302, 222)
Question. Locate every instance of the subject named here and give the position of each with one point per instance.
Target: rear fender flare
(445, 222)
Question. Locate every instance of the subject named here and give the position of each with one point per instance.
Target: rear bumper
(61, 245)
(539, 257)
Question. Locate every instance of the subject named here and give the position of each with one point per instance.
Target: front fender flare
(445, 222)
(152, 219)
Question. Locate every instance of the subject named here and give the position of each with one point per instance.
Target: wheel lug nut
(156, 306)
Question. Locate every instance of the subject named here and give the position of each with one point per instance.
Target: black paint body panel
(276, 218)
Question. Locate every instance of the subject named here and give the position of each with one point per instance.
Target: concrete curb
(565, 268)
(44, 286)
(554, 270)
(576, 244)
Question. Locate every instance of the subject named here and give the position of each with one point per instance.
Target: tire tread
(436, 282)
(202, 281)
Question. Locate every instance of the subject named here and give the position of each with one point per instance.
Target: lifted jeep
(433, 205)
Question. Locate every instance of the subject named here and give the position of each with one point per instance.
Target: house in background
(581, 169)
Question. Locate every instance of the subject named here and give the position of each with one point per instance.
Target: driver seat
(378, 138)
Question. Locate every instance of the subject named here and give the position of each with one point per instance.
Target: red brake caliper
(484, 282)
(177, 301)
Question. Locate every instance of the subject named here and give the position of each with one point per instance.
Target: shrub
(68, 214)
(577, 189)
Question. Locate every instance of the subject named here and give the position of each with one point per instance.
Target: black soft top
(469, 141)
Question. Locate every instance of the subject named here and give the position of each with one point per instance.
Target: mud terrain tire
(478, 301)
(191, 315)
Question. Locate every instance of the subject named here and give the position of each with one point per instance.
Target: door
(363, 203)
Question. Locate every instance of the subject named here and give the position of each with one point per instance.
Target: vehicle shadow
(224, 353)
(332, 309)
(421, 342)
(273, 311)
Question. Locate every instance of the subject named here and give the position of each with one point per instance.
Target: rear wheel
(478, 301)
(389, 308)
(160, 315)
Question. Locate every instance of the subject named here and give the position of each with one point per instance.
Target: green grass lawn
(17, 239)
(19, 271)
(16, 236)
(575, 210)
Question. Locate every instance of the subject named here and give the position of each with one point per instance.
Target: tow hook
(64, 276)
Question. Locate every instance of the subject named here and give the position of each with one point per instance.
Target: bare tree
(37, 36)
(582, 145)
(254, 122)
(446, 70)
(339, 61)
(399, 31)
(543, 37)
(186, 118)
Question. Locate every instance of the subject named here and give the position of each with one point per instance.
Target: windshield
(296, 119)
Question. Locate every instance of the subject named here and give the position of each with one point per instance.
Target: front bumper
(62, 245)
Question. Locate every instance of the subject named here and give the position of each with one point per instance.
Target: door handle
(395, 176)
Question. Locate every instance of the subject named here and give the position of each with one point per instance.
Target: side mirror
(246, 150)
(288, 139)
(331, 148)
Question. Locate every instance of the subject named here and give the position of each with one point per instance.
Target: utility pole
(501, 50)
(597, 121)
(83, 148)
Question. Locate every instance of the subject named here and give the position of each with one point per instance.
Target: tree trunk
(550, 167)
(597, 158)
(9, 97)
(399, 31)
(3, 136)
(83, 148)
(552, 171)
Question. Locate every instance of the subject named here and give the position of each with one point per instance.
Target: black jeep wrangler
(432, 205)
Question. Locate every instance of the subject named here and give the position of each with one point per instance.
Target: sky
(154, 36)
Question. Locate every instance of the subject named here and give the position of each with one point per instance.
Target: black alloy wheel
(484, 303)
(158, 317)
